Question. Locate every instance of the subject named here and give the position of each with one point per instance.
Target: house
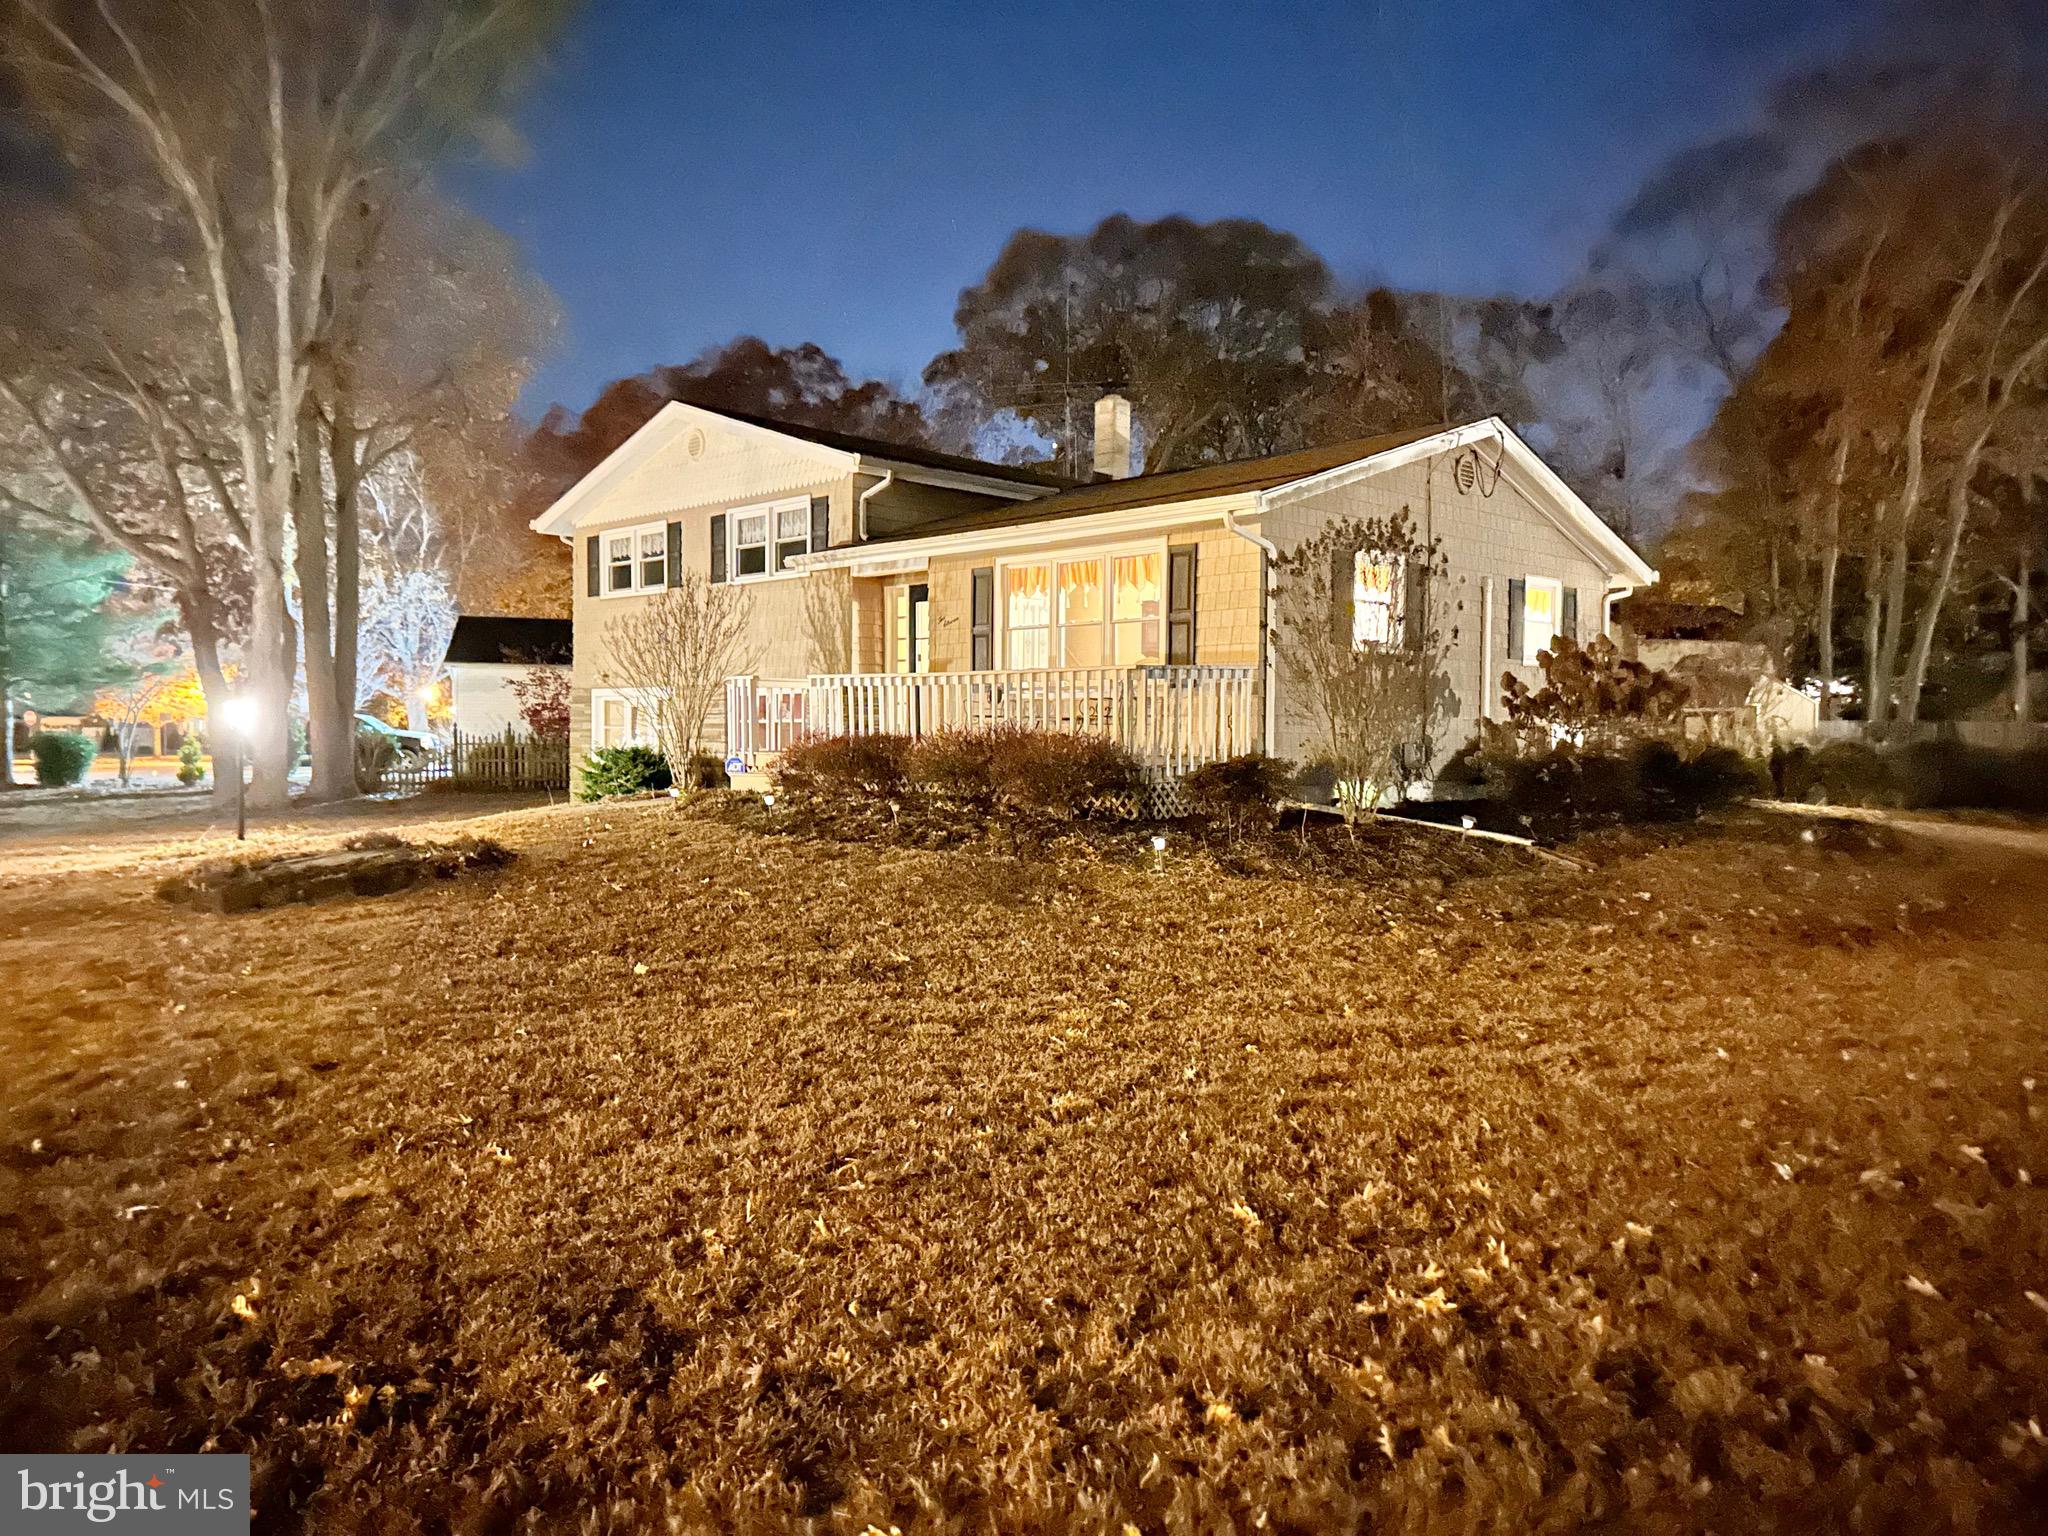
(487, 656)
(902, 590)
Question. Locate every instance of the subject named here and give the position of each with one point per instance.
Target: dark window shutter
(1180, 606)
(821, 522)
(675, 554)
(1517, 597)
(1414, 602)
(718, 547)
(592, 559)
(1571, 612)
(1343, 593)
(983, 658)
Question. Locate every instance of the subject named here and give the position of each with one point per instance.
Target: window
(766, 538)
(1094, 612)
(792, 531)
(750, 544)
(1137, 604)
(1027, 616)
(1542, 605)
(1375, 610)
(636, 560)
(618, 721)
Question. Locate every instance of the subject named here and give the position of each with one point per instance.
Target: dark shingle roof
(529, 641)
(929, 458)
(1171, 485)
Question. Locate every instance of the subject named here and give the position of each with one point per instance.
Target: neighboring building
(487, 656)
(903, 590)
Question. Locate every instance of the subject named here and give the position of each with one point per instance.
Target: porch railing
(1172, 719)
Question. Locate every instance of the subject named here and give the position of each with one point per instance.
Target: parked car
(405, 743)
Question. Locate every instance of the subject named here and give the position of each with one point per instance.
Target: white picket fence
(1172, 719)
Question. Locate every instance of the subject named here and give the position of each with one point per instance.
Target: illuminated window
(1137, 606)
(1027, 616)
(1542, 602)
(1080, 602)
(1375, 611)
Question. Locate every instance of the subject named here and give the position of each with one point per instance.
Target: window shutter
(1180, 606)
(1343, 593)
(592, 561)
(718, 547)
(1518, 595)
(821, 522)
(983, 657)
(1571, 612)
(675, 554)
(1414, 602)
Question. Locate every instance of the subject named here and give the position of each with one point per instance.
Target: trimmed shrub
(1239, 790)
(1060, 774)
(1678, 788)
(609, 771)
(62, 757)
(957, 765)
(190, 769)
(874, 765)
(704, 771)
(1562, 789)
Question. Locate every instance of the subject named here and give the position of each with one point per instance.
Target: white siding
(482, 698)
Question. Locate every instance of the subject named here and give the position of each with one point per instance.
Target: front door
(910, 609)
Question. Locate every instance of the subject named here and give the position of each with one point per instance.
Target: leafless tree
(672, 654)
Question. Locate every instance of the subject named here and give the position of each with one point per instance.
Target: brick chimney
(1113, 438)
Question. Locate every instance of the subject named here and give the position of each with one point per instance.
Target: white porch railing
(1172, 719)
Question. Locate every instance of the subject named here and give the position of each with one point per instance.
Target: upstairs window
(792, 531)
(653, 558)
(636, 560)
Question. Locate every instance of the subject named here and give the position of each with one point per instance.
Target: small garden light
(1468, 822)
(1158, 842)
(767, 799)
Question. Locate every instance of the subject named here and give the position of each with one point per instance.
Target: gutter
(1269, 552)
(860, 516)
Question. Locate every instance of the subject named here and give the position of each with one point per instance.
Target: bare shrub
(842, 765)
(1592, 696)
(1239, 792)
(1361, 638)
(672, 654)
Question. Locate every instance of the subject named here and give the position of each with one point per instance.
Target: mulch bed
(371, 864)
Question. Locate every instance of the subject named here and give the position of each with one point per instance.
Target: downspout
(1269, 553)
(1614, 596)
(860, 521)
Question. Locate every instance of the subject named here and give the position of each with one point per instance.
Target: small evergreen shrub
(1239, 790)
(191, 767)
(62, 757)
(609, 771)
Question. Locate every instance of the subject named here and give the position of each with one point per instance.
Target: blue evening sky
(838, 172)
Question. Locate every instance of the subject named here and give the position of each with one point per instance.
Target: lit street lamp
(238, 714)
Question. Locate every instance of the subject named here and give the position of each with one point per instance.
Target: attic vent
(1465, 472)
(693, 445)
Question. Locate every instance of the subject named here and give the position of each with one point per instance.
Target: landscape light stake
(237, 714)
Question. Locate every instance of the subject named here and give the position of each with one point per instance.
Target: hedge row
(1048, 771)
(1565, 790)
(1923, 775)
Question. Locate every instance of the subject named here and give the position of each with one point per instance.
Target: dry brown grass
(684, 1173)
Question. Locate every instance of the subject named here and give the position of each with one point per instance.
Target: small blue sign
(735, 765)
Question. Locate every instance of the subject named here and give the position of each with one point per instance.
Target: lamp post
(238, 714)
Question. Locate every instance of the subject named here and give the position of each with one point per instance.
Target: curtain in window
(1138, 603)
(1027, 615)
(1080, 613)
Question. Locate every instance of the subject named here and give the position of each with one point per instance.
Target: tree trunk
(1944, 578)
(2022, 604)
(330, 732)
(1830, 563)
(1875, 694)
(7, 780)
(1887, 670)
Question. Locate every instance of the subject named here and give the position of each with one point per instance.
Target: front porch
(1172, 719)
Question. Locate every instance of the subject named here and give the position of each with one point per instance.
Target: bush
(1677, 788)
(1052, 771)
(873, 765)
(957, 765)
(609, 771)
(190, 769)
(62, 757)
(375, 753)
(704, 771)
(1562, 790)
(1239, 790)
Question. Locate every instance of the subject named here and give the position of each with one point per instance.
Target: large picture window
(1103, 610)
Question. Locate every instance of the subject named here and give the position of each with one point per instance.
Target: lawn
(685, 1176)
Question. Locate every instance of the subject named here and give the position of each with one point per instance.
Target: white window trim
(1530, 646)
(1108, 554)
(772, 509)
(604, 561)
(629, 698)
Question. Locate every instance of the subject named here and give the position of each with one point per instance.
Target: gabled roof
(1248, 487)
(1205, 480)
(1036, 475)
(530, 642)
(836, 453)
